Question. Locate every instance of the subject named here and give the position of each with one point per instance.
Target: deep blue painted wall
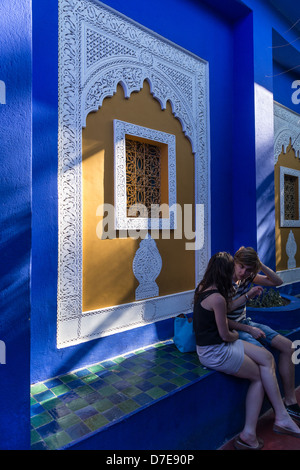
(237, 60)
(265, 21)
(243, 137)
(226, 42)
(44, 185)
(15, 215)
(283, 91)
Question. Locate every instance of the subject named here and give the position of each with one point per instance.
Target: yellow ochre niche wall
(287, 160)
(107, 276)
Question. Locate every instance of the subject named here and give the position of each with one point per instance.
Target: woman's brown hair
(219, 272)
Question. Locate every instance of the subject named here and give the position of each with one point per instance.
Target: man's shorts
(270, 334)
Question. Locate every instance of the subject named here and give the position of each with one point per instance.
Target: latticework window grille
(290, 197)
(143, 174)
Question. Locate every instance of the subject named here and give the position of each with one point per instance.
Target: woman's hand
(254, 292)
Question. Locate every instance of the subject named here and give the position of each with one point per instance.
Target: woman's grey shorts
(224, 357)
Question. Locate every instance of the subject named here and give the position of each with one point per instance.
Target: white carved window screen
(123, 132)
(289, 197)
(143, 175)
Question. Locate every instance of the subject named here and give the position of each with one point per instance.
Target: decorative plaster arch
(98, 49)
(286, 130)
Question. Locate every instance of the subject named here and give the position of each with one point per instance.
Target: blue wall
(15, 214)
(221, 33)
(270, 29)
(218, 31)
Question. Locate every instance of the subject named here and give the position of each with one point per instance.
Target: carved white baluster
(291, 250)
(146, 266)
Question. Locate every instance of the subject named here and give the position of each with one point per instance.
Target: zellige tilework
(71, 406)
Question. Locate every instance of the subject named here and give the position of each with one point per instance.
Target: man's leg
(286, 369)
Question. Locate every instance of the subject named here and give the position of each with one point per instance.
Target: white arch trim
(99, 48)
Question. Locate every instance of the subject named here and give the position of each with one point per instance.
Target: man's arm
(242, 299)
(270, 278)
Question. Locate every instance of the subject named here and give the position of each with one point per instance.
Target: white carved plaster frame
(137, 54)
(122, 222)
(286, 127)
(283, 221)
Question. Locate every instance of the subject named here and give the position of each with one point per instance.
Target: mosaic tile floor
(68, 407)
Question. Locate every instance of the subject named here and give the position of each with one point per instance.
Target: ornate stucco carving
(98, 49)
(286, 130)
(147, 265)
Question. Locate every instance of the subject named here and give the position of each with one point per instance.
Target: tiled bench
(153, 398)
(70, 407)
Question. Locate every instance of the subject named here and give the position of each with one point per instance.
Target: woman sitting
(220, 349)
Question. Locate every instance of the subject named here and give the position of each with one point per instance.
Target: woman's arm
(219, 307)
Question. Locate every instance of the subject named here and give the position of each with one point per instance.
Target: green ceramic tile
(77, 404)
(128, 406)
(90, 378)
(139, 351)
(156, 380)
(138, 362)
(134, 379)
(159, 361)
(96, 422)
(176, 353)
(41, 419)
(179, 370)
(84, 390)
(107, 390)
(96, 368)
(52, 403)
(179, 361)
(156, 392)
(60, 389)
(137, 369)
(34, 436)
(38, 388)
(103, 405)
(158, 370)
(57, 440)
(200, 371)
(111, 379)
(130, 391)
(68, 378)
(68, 420)
(180, 381)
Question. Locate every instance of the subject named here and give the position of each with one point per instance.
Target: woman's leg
(265, 361)
(255, 394)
